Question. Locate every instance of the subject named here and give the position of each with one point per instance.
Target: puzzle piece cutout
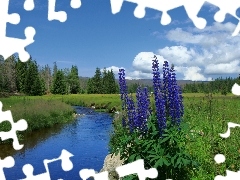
(230, 175)
(66, 166)
(87, 173)
(29, 5)
(7, 162)
(192, 9)
(60, 15)
(20, 125)
(230, 125)
(137, 167)
(227, 7)
(9, 45)
(236, 89)
(220, 158)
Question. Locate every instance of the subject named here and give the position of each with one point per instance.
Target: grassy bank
(39, 113)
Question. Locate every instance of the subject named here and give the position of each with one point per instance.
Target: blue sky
(93, 37)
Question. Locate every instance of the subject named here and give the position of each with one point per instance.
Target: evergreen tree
(74, 80)
(112, 87)
(105, 81)
(59, 84)
(33, 84)
(97, 82)
(90, 86)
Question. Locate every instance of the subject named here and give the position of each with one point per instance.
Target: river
(86, 139)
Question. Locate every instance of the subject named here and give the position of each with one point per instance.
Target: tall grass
(38, 113)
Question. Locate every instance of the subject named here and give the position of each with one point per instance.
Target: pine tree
(112, 86)
(59, 84)
(74, 80)
(33, 84)
(90, 86)
(105, 81)
(21, 71)
(97, 82)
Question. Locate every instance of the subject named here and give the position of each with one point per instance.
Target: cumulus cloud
(197, 55)
(223, 68)
(143, 61)
(192, 73)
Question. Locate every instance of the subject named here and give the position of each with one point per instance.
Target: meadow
(207, 115)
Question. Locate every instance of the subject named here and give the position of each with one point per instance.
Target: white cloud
(192, 73)
(223, 68)
(177, 54)
(138, 75)
(143, 61)
(197, 55)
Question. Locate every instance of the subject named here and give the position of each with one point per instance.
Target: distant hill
(147, 82)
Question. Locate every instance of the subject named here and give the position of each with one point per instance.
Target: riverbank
(38, 113)
(48, 110)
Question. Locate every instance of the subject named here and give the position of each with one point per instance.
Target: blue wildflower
(159, 100)
(143, 103)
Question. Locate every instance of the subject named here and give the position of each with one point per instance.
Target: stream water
(86, 138)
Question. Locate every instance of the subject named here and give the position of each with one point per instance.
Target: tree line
(31, 79)
(219, 85)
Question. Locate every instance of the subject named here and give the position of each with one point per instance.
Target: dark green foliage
(219, 85)
(102, 83)
(168, 154)
(59, 84)
(74, 80)
(97, 82)
(33, 84)
(21, 71)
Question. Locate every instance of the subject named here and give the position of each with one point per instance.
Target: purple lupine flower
(122, 84)
(132, 114)
(123, 92)
(176, 108)
(143, 103)
(159, 100)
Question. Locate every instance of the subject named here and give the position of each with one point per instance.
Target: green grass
(210, 116)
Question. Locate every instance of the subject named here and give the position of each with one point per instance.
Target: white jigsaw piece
(87, 173)
(220, 158)
(227, 7)
(192, 9)
(137, 167)
(7, 162)
(9, 45)
(67, 165)
(20, 125)
(60, 15)
(159, 5)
